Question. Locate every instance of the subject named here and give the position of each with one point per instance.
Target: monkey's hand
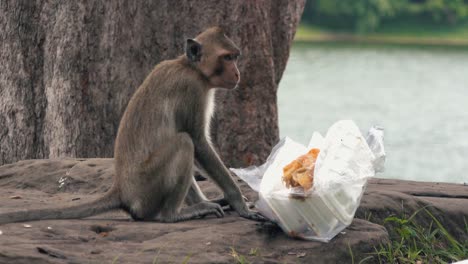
(241, 208)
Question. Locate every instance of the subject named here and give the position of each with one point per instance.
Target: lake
(419, 95)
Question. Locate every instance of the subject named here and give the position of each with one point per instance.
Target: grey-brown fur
(161, 134)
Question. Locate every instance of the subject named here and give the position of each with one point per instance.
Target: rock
(114, 238)
(447, 202)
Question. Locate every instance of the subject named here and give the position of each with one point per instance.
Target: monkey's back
(151, 113)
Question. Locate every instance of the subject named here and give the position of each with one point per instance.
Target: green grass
(421, 29)
(239, 258)
(397, 32)
(417, 243)
(244, 259)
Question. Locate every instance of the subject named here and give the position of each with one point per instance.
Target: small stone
(15, 197)
(208, 243)
(75, 199)
(1, 233)
(343, 233)
(27, 226)
(104, 234)
(50, 228)
(291, 253)
(301, 254)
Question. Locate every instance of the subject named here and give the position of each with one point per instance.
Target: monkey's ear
(193, 50)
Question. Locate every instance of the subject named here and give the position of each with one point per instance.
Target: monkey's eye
(230, 57)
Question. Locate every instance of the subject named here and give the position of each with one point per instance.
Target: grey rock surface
(115, 238)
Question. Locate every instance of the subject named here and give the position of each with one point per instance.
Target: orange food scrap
(300, 172)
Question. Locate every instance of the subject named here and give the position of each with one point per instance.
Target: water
(419, 95)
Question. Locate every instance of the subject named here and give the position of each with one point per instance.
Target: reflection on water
(420, 97)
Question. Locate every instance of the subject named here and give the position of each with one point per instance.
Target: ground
(114, 238)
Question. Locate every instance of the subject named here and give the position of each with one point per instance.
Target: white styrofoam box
(343, 166)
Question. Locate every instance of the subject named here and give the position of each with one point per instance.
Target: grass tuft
(240, 259)
(417, 243)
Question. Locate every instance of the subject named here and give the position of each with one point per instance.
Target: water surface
(419, 95)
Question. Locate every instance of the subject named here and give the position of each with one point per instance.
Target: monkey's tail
(110, 201)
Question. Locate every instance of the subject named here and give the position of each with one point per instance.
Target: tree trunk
(68, 69)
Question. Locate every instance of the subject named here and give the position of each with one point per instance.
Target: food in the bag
(300, 172)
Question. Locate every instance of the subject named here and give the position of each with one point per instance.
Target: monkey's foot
(206, 208)
(252, 215)
(223, 202)
(195, 211)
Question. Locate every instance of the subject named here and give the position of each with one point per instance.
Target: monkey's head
(215, 55)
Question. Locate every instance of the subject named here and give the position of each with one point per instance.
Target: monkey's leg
(199, 206)
(195, 195)
(180, 171)
(211, 162)
(199, 173)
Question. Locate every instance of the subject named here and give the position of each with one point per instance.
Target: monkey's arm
(211, 162)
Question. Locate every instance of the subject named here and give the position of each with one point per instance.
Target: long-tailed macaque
(163, 131)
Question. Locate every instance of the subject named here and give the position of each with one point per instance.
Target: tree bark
(68, 69)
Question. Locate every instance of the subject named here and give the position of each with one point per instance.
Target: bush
(364, 16)
(441, 11)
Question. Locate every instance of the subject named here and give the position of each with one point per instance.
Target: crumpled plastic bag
(345, 162)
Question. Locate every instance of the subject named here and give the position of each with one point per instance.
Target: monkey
(163, 132)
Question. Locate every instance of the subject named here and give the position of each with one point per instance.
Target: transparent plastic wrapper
(345, 162)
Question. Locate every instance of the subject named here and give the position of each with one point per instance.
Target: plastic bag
(345, 162)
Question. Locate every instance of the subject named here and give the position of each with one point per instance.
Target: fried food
(300, 172)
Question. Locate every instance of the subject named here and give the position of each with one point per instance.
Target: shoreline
(348, 38)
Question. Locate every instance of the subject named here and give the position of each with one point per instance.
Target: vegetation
(242, 259)
(239, 258)
(400, 32)
(364, 16)
(418, 243)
